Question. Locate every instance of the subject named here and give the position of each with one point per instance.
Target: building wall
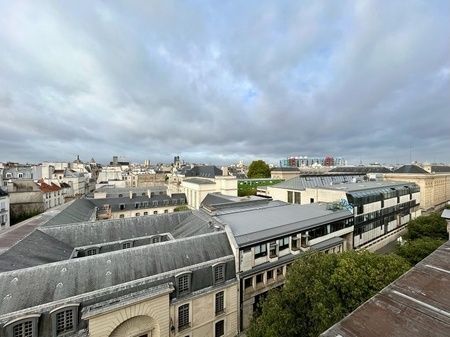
(112, 323)
(4, 212)
(286, 175)
(160, 316)
(434, 188)
(141, 211)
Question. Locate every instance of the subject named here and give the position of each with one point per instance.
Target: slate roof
(285, 169)
(360, 169)
(130, 203)
(35, 249)
(302, 182)
(207, 171)
(415, 305)
(199, 181)
(262, 224)
(79, 210)
(179, 224)
(410, 169)
(61, 280)
(440, 169)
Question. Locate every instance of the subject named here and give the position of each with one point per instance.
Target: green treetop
(258, 169)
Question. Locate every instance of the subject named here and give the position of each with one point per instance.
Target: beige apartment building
(434, 187)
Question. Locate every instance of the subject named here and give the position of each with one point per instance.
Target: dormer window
(219, 273)
(64, 320)
(127, 245)
(26, 327)
(91, 251)
(183, 284)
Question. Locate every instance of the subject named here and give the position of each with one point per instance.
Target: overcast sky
(220, 81)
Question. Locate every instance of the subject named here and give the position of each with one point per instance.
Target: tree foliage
(416, 250)
(432, 226)
(258, 169)
(321, 289)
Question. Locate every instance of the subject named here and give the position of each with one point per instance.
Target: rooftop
(367, 185)
(410, 169)
(304, 181)
(65, 279)
(199, 181)
(416, 304)
(275, 219)
(361, 169)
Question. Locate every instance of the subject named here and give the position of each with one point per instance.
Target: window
(120, 195)
(259, 278)
(64, 321)
(24, 329)
(121, 206)
(219, 306)
(155, 212)
(219, 273)
(283, 243)
(289, 197)
(184, 284)
(155, 239)
(311, 200)
(273, 249)
(248, 283)
(269, 275)
(122, 216)
(183, 316)
(297, 197)
(145, 213)
(138, 214)
(260, 250)
(280, 271)
(126, 245)
(166, 211)
(136, 205)
(219, 329)
(295, 242)
(91, 251)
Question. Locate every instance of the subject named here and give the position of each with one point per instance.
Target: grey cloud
(225, 81)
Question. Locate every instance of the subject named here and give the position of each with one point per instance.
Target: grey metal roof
(368, 185)
(415, 305)
(257, 225)
(410, 169)
(25, 288)
(361, 169)
(79, 210)
(307, 181)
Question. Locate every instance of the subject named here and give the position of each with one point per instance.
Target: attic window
(92, 251)
(26, 327)
(183, 283)
(219, 273)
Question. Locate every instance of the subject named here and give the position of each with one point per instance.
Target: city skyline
(367, 81)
